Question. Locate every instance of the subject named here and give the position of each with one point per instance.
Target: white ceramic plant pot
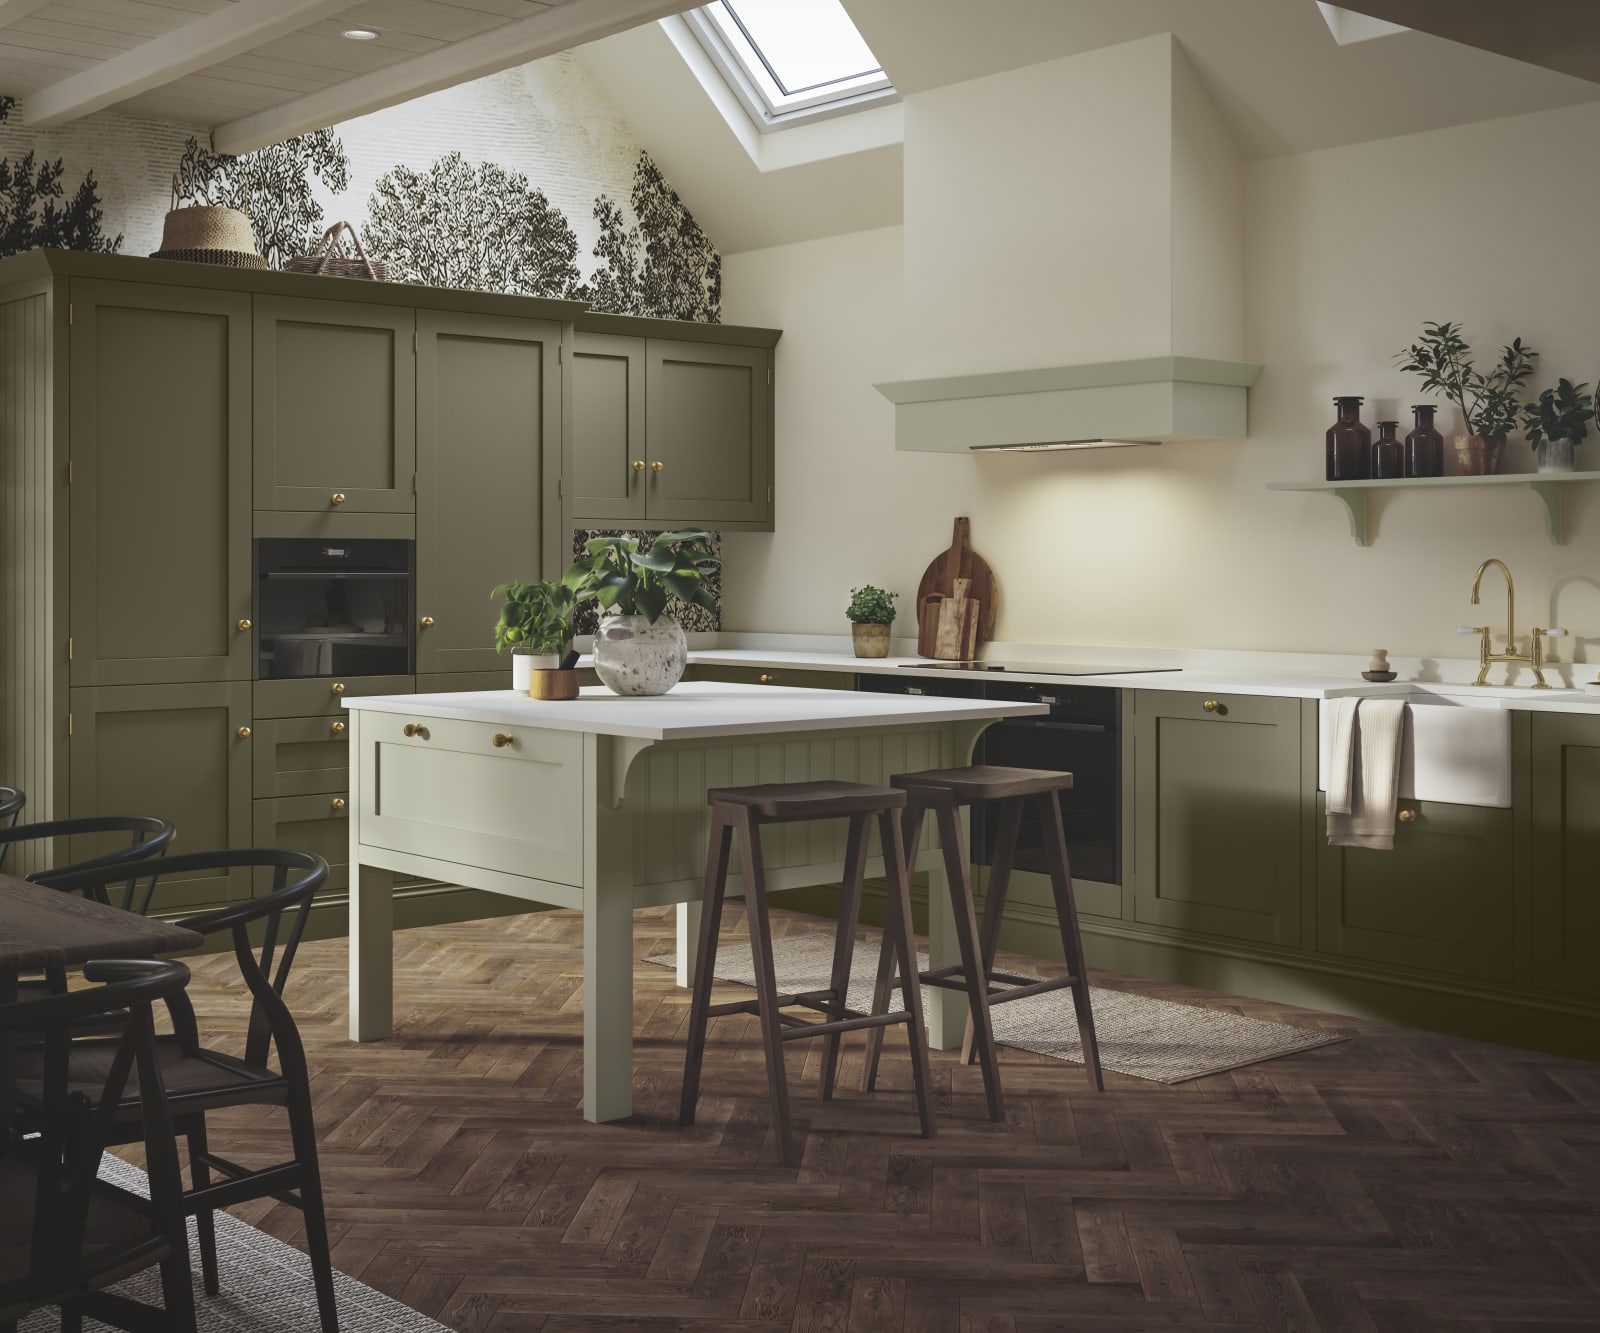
(1555, 455)
(632, 656)
(523, 665)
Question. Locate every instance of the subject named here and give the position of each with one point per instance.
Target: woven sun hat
(205, 234)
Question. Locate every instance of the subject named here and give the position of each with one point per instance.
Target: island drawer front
(301, 756)
(449, 792)
(322, 694)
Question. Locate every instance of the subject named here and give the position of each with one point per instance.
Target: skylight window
(791, 60)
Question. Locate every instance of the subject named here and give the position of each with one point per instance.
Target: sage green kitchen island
(599, 804)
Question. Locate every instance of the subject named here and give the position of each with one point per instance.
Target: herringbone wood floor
(1397, 1181)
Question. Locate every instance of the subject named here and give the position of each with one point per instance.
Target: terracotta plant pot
(553, 685)
(1479, 455)
(870, 640)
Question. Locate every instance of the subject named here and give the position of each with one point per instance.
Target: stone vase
(524, 664)
(870, 640)
(633, 656)
(1479, 455)
(1556, 455)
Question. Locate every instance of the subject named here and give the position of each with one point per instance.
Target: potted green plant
(536, 625)
(638, 648)
(1556, 422)
(1489, 403)
(871, 612)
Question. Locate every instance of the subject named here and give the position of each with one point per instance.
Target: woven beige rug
(1147, 1038)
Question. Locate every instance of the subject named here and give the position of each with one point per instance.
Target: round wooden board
(959, 562)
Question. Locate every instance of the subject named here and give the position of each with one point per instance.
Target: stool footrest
(852, 1024)
(1022, 991)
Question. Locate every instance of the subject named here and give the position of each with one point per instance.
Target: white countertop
(694, 710)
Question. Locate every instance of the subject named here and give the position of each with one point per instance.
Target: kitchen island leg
(688, 915)
(371, 952)
(608, 1003)
(946, 1009)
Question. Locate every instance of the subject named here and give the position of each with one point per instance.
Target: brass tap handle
(656, 467)
(638, 465)
(244, 733)
(244, 624)
(501, 740)
(766, 678)
(1407, 816)
(427, 622)
(337, 687)
(1211, 706)
(337, 803)
(337, 498)
(338, 728)
(415, 729)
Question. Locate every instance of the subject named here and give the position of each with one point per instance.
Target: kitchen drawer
(449, 792)
(795, 679)
(319, 824)
(319, 694)
(301, 756)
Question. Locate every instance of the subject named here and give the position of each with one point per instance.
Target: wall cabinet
(610, 465)
(1563, 822)
(1221, 790)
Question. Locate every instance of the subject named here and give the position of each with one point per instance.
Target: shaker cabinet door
(1564, 849)
(488, 459)
(335, 405)
(160, 496)
(610, 469)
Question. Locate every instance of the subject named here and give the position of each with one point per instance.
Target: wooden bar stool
(747, 810)
(943, 792)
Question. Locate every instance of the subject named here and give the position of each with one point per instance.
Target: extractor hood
(1156, 400)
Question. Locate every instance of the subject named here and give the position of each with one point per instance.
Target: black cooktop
(1035, 668)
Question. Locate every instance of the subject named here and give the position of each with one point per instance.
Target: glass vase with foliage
(871, 612)
(1489, 403)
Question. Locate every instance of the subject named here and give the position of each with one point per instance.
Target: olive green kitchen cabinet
(335, 405)
(182, 752)
(1223, 790)
(670, 431)
(318, 824)
(1440, 901)
(489, 466)
(159, 493)
(1562, 818)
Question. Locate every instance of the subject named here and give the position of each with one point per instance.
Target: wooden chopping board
(959, 562)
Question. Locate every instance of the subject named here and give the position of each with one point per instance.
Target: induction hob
(1036, 668)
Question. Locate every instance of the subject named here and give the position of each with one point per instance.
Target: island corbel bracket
(624, 750)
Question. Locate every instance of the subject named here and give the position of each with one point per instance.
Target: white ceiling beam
(12, 10)
(207, 41)
(558, 28)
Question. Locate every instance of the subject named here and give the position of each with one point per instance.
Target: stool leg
(716, 886)
(1055, 850)
(894, 863)
(886, 951)
(755, 908)
(994, 906)
(980, 1034)
(844, 943)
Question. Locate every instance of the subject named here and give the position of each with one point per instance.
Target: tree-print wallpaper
(35, 211)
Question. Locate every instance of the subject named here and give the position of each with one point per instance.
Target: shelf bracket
(1550, 494)
(1355, 506)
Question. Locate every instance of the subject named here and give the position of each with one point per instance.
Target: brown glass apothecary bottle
(1349, 443)
(1388, 454)
(1424, 446)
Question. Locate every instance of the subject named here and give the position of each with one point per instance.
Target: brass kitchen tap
(1486, 655)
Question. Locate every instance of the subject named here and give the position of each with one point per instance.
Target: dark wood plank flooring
(1397, 1181)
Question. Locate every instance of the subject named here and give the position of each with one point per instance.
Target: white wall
(1348, 251)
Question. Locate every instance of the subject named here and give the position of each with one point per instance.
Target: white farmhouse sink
(1457, 748)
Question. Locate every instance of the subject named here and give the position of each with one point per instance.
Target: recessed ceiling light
(361, 34)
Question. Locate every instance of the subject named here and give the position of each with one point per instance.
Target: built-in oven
(334, 608)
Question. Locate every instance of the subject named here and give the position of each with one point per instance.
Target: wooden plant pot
(870, 640)
(1479, 455)
(553, 685)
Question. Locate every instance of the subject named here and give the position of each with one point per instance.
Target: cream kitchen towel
(1364, 772)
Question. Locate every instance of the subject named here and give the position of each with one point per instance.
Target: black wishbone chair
(12, 800)
(66, 1235)
(146, 836)
(199, 1079)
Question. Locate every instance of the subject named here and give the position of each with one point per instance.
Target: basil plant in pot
(536, 625)
(1488, 403)
(1557, 422)
(871, 612)
(639, 649)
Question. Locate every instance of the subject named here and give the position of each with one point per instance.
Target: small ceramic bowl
(1377, 675)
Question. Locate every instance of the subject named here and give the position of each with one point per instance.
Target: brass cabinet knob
(338, 728)
(767, 679)
(337, 497)
(427, 622)
(638, 465)
(501, 740)
(244, 733)
(1407, 816)
(337, 687)
(337, 803)
(1211, 706)
(244, 624)
(656, 467)
(415, 729)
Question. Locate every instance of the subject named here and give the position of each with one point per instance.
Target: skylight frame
(749, 74)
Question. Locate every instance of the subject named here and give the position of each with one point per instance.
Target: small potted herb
(1488, 403)
(871, 612)
(536, 625)
(1557, 422)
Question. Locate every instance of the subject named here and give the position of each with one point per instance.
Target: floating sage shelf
(1353, 494)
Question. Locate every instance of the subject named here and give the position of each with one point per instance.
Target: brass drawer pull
(656, 467)
(337, 498)
(416, 729)
(1211, 706)
(338, 728)
(337, 687)
(501, 740)
(427, 622)
(638, 465)
(1407, 816)
(766, 678)
(337, 803)
(244, 624)
(244, 733)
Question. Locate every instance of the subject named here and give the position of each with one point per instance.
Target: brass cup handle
(501, 740)
(1407, 816)
(244, 733)
(767, 679)
(337, 498)
(656, 467)
(337, 687)
(338, 728)
(427, 622)
(244, 624)
(638, 465)
(337, 803)
(416, 729)
(1211, 706)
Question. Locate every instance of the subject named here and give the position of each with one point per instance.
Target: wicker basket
(205, 234)
(332, 261)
